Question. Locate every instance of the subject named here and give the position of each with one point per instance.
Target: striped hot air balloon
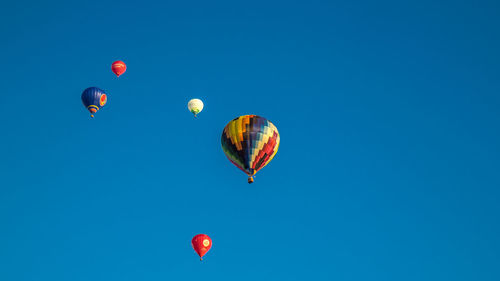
(118, 67)
(94, 99)
(250, 142)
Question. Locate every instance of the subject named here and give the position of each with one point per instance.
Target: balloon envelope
(250, 142)
(118, 67)
(201, 244)
(94, 99)
(195, 106)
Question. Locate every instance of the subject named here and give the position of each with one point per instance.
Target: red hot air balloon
(118, 67)
(201, 244)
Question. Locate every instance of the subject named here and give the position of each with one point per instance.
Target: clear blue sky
(388, 167)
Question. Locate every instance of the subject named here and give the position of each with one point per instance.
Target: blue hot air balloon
(94, 99)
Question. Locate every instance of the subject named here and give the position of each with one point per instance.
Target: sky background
(389, 161)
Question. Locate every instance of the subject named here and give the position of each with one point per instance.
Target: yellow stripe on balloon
(233, 132)
(241, 128)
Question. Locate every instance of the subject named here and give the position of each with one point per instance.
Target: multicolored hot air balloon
(201, 244)
(94, 99)
(195, 106)
(250, 142)
(118, 68)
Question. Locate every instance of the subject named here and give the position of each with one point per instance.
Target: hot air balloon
(201, 244)
(195, 106)
(118, 68)
(94, 99)
(250, 142)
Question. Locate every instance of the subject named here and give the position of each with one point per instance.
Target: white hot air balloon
(195, 106)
